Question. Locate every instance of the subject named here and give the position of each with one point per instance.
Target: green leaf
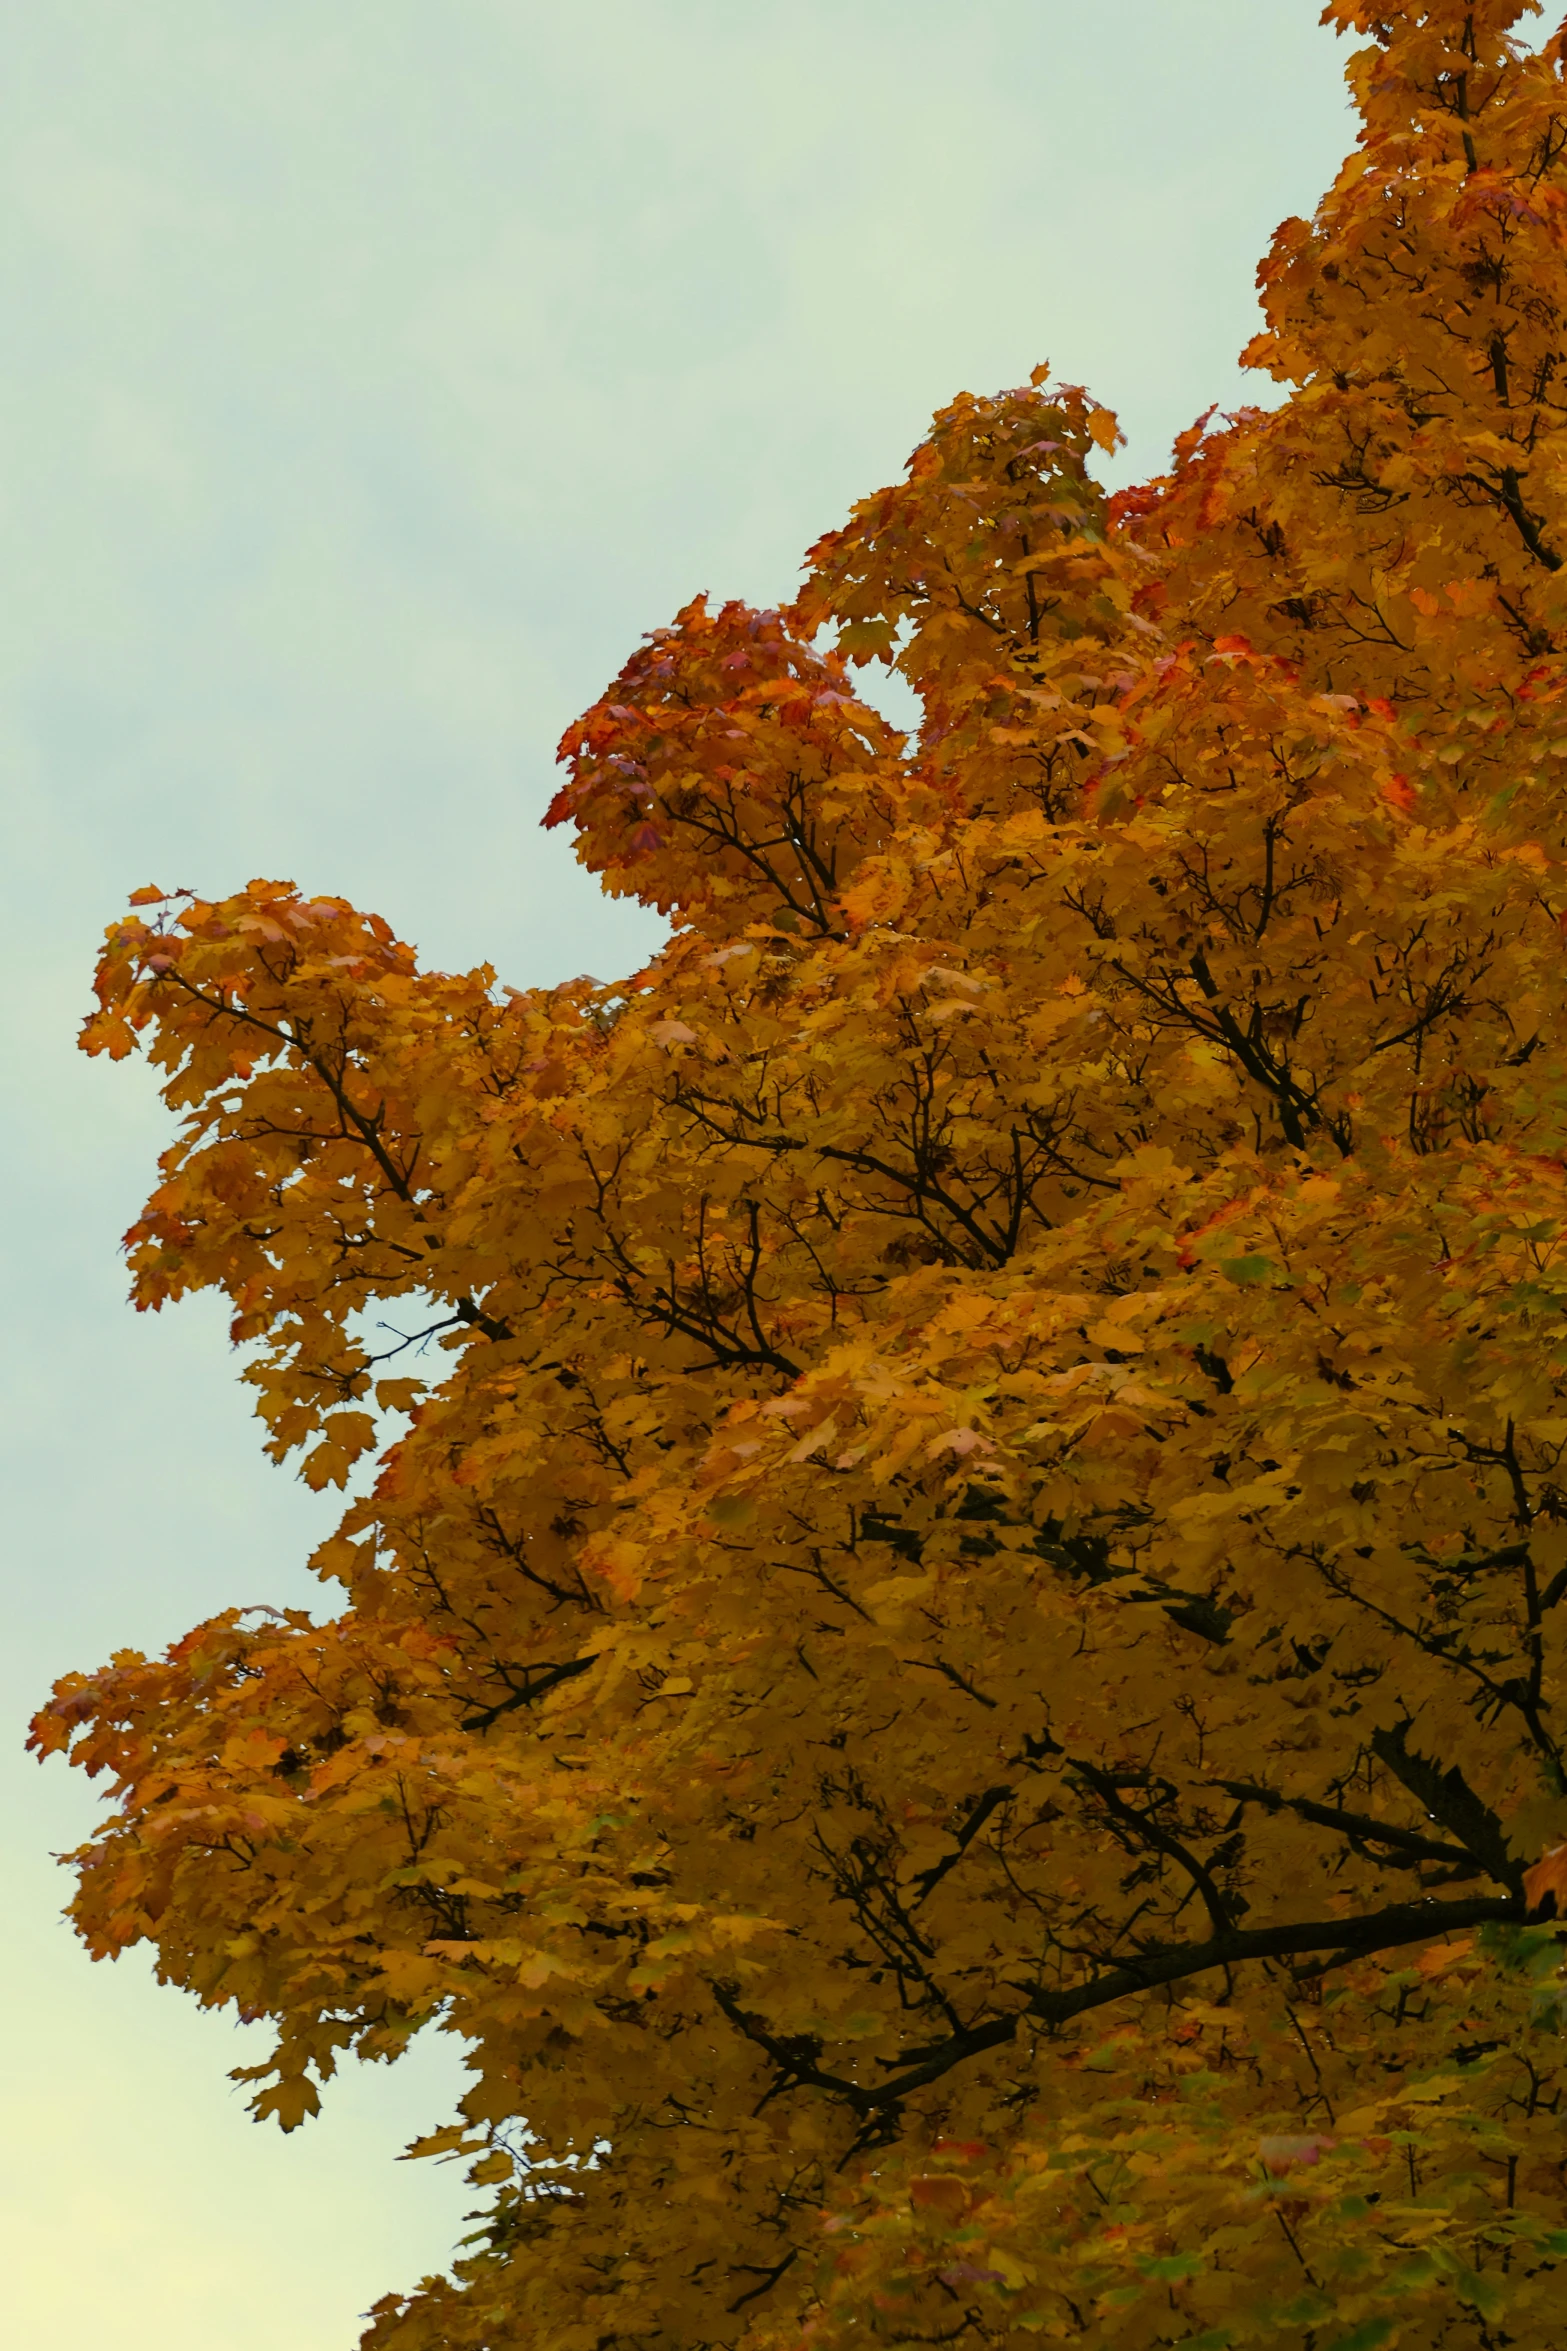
(1248, 1272)
(1369, 2337)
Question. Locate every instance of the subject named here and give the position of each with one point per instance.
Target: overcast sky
(377, 371)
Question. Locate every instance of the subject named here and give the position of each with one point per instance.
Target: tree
(958, 1692)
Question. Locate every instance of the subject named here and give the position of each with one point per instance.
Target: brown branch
(1323, 1943)
(541, 1681)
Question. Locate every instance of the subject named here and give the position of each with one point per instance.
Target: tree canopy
(948, 1660)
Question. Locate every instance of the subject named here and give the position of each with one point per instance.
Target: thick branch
(1323, 1943)
(1358, 1827)
(540, 1681)
(1448, 1797)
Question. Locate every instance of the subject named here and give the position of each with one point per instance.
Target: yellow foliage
(954, 1681)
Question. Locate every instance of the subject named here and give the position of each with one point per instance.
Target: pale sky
(377, 371)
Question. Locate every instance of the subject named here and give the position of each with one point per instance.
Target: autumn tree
(950, 1671)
